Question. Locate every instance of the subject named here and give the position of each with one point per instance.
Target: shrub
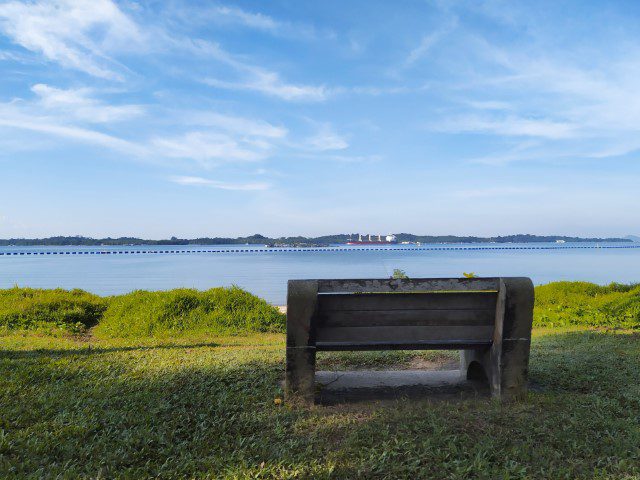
(235, 311)
(35, 309)
(582, 303)
(218, 310)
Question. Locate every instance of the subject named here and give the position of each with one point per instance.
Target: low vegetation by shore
(563, 304)
(65, 311)
(139, 313)
(175, 312)
(235, 311)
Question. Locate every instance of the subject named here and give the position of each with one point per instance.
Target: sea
(109, 270)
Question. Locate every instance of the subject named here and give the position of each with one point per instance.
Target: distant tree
(397, 273)
(258, 239)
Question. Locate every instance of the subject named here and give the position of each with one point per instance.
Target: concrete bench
(487, 319)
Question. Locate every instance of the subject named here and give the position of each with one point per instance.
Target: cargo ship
(388, 240)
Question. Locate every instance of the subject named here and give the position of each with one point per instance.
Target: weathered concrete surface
(361, 385)
(327, 315)
(406, 284)
(506, 363)
(302, 299)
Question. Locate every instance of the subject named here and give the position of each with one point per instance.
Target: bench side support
(302, 300)
(516, 338)
(505, 364)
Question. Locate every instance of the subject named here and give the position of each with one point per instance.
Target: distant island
(258, 239)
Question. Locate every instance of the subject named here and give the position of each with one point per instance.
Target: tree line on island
(258, 239)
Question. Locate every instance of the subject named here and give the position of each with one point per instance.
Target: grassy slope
(582, 303)
(139, 313)
(203, 407)
(49, 310)
(233, 310)
(174, 312)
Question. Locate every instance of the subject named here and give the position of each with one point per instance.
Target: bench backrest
(488, 319)
(403, 313)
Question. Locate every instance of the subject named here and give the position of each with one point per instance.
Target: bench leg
(516, 338)
(482, 365)
(474, 365)
(514, 369)
(505, 364)
(302, 299)
(300, 374)
(503, 368)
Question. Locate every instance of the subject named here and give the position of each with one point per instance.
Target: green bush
(36, 309)
(235, 311)
(562, 304)
(218, 310)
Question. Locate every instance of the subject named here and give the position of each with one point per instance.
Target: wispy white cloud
(205, 182)
(70, 115)
(426, 43)
(207, 148)
(77, 34)
(488, 105)
(12, 118)
(491, 192)
(204, 137)
(506, 126)
(270, 83)
(4, 55)
(524, 151)
(88, 35)
(247, 76)
(352, 158)
(235, 124)
(235, 16)
(327, 139)
(248, 19)
(377, 91)
(80, 104)
(576, 106)
(430, 40)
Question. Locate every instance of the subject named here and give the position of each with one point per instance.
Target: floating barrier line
(300, 250)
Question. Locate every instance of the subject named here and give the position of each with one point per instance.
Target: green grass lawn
(203, 407)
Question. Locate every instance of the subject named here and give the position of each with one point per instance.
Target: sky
(229, 118)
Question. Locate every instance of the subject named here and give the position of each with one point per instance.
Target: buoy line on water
(302, 249)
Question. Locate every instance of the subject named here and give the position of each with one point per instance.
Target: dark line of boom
(302, 249)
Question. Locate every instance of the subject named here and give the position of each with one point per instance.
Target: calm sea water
(266, 272)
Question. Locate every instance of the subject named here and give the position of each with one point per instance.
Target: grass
(582, 303)
(203, 407)
(137, 314)
(179, 385)
(174, 312)
(233, 310)
(49, 310)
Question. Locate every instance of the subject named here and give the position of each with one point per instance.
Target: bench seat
(415, 345)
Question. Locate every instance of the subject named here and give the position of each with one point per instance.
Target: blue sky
(190, 118)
